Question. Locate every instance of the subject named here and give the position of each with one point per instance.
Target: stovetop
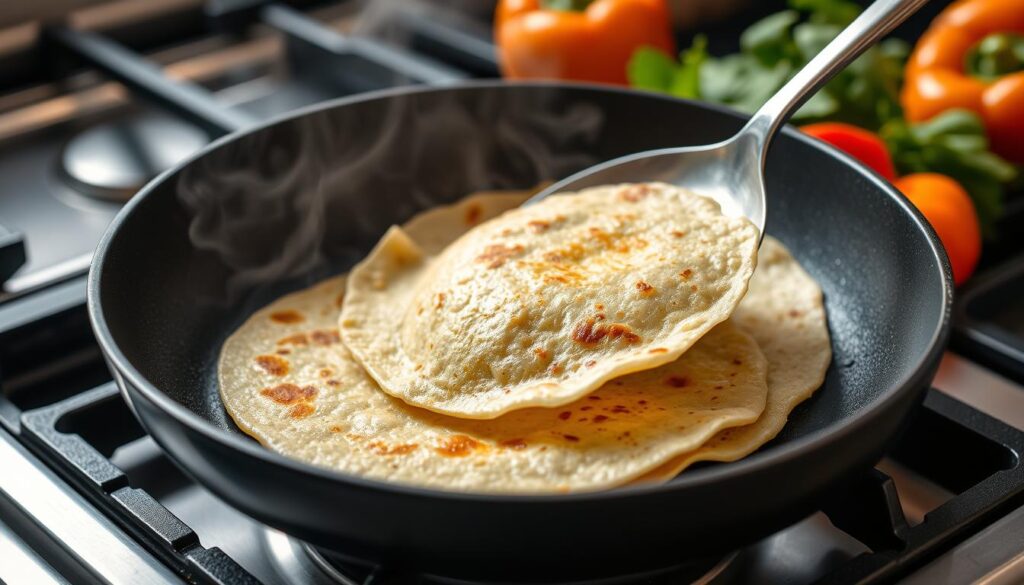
(86, 496)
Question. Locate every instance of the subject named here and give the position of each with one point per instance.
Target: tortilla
(286, 380)
(546, 303)
(315, 403)
(784, 312)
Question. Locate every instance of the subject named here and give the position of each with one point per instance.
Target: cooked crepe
(544, 304)
(286, 380)
(783, 311)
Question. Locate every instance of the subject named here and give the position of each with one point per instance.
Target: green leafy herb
(566, 5)
(953, 144)
(771, 51)
(652, 70)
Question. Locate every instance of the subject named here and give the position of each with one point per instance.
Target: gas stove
(97, 102)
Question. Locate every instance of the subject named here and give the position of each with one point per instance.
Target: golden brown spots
(339, 299)
(335, 429)
(288, 316)
(620, 409)
(686, 274)
(283, 351)
(382, 448)
(620, 330)
(571, 253)
(517, 444)
(325, 372)
(439, 299)
(473, 213)
(556, 368)
(565, 414)
(541, 353)
(333, 382)
(297, 339)
(794, 313)
(301, 410)
(658, 350)
(458, 446)
(538, 226)
(590, 363)
(599, 307)
(600, 418)
(572, 438)
(678, 234)
(634, 193)
(590, 333)
(272, 364)
(737, 361)
(587, 334)
(677, 381)
(693, 288)
(496, 255)
(644, 289)
(593, 397)
(289, 393)
(325, 336)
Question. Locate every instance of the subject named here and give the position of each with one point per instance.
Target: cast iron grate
(971, 454)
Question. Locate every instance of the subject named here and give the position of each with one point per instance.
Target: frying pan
(272, 209)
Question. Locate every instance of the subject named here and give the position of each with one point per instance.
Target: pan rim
(794, 449)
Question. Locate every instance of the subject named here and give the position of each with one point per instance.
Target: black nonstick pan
(276, 208)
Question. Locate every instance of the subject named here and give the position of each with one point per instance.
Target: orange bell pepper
(593, 43)
(937, 78)
(949, 210)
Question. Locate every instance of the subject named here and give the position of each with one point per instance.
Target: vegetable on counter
(586, 40)
(941, 199)
(772, 50)
(974, 44)
(972, 58)
(949, 210)
(953, 144)
(861, 144)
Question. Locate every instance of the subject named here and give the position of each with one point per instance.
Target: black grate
(948, 442)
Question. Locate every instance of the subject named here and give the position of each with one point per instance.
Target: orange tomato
(950, 211)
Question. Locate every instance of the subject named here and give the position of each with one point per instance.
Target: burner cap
(114, 160)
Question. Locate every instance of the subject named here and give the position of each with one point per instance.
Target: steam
(311, 195)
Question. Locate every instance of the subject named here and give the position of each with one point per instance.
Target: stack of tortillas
(591, 340)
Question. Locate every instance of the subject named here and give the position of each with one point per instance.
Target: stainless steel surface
(60, 221)
(298, 564)
(981, 388)
(732, 171)
(113, 161)
(994, 556)
(87, 538)
(20, 564)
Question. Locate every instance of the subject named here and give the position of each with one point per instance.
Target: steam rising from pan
(311, 195)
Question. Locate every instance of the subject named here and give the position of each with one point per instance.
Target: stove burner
(298, 562)
(113, 161)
